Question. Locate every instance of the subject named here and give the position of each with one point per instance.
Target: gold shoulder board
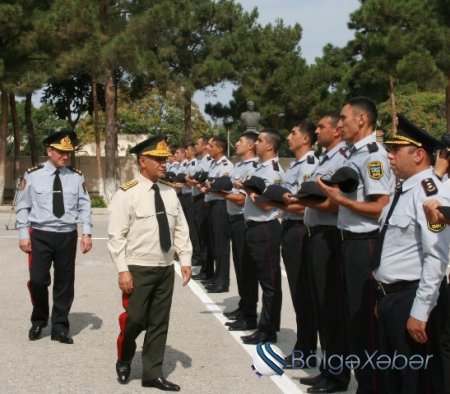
(75, 170)
(129, 184)
(32, 169)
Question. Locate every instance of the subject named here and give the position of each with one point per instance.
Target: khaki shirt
(133, 228)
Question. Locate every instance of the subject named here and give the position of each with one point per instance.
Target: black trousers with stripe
(147, 309)
(393, 312)
(263, 242)
(294, 240)
(324, 256)
(220, 234)
(59, 249)
(246, 279)
(360, 291)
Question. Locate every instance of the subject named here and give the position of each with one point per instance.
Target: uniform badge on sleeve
(375, 169)
(436, 227)
(84, 187)
(23, 183)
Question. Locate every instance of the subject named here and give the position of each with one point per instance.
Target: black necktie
(376, 257)
(58, 200)
(163, 223)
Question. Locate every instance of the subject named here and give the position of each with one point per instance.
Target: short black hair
(221, 143)
(274, 137)
(250, 135)
(307, 127)
(334, 115)
(366, 105)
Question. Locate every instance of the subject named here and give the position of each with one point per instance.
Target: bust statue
(251, 117)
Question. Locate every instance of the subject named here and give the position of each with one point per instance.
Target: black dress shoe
(201, 276)
(62, 338)
(217, 289)
(233, 314)
(312, 380)
(161, 383)
(327, 386)
(257, 337)
(123, 372)
(35, 332)
(242, 325)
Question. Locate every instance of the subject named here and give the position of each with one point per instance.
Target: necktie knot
(155, 187)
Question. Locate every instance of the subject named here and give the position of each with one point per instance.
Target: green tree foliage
(424, 108)
(394, 38)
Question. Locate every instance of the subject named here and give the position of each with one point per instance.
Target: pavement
(202, 356)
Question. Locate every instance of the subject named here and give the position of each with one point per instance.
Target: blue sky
(322, 21)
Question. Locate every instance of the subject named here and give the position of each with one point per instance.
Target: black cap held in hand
(273, 193)
(256, 184)
(221, 183)
(346, 178)
(310, 190)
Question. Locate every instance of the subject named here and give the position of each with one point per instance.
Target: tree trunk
(111, 137)
(30, 130)
(187, 118)
(98, 158)
(3, 142)
(16, 131)
(447, 102)
(393, 105)
(274, 122)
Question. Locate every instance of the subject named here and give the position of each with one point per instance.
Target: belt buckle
(381, 288)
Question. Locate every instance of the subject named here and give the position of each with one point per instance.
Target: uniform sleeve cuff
(122, 266)
(87, 229)
(185, 261)
(420, 312)
(24, 233)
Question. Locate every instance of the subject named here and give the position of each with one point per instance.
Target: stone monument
(251, 118)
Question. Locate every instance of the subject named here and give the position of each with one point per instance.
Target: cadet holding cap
(146, 227)
(294, 238)
(263, 237)
(358, 221)
(409, 262)
(245, 315)
(52, 200)
(324, 257)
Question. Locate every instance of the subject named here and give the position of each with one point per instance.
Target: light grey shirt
(35, 202)
(272, 173)
(299, 171)
(219, 167)
(413, 248)
(189, 171)
(329, 162)
(202, 164)
(375, 178)
(242, 171)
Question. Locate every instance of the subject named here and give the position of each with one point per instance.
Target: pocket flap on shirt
(400, 221)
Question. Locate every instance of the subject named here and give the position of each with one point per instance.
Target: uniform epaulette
(372, 147)
(275, 165)
(32, 169)
(75, 170)
(311, 159)
(166, 183)
(429, 187)
(129, 184)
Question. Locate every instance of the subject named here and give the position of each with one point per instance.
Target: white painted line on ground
(284, 383)
(17, 237)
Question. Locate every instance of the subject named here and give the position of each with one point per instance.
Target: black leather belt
(236, 218)
(313, 230)
(253, 223)
(388, 288)
(287, 223)
(350, 235)
(186, 194)
(212, 202)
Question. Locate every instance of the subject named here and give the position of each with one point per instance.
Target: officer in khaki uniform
(146, 227)
(52, 200)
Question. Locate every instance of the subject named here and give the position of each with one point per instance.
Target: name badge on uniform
(375, 169)
(435, 227)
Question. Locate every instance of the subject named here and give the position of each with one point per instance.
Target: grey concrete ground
(201, 355)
